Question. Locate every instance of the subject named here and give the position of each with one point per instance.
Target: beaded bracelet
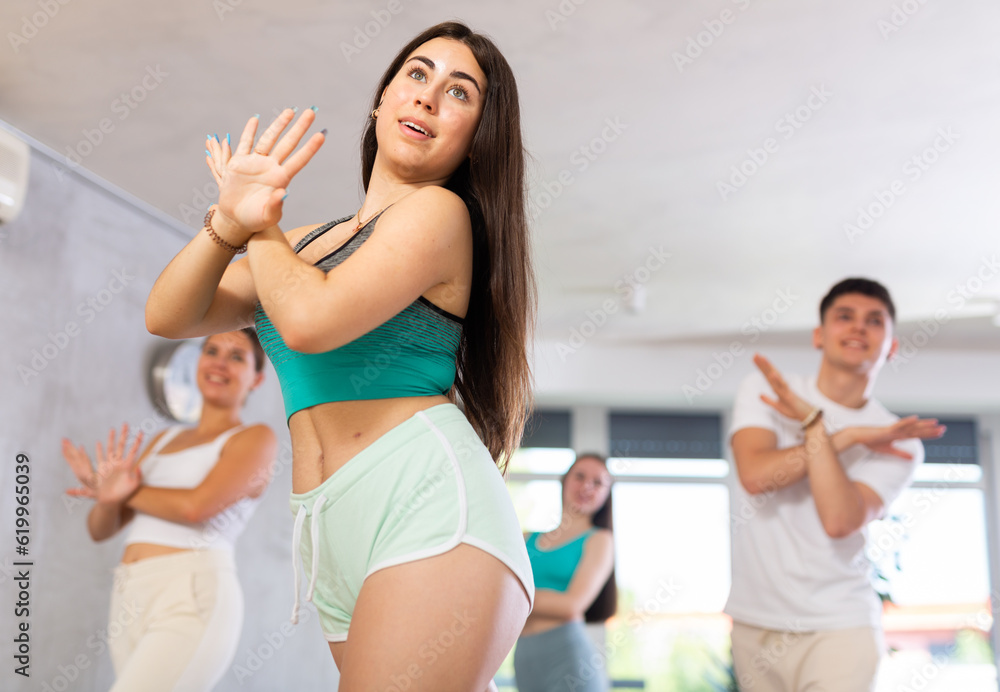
(813, 416)
(228, 247)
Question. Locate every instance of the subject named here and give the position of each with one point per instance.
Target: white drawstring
(300, 519)
(314, 530)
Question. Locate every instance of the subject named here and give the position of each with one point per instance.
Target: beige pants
(829, 661)
(175, 621)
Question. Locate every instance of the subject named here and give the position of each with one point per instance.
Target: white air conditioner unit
(14, 158)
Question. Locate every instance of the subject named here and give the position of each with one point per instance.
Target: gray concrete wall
(74, 361)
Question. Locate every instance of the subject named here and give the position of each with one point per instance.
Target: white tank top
(187, 469)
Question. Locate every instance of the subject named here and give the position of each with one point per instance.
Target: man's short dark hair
(865, 287)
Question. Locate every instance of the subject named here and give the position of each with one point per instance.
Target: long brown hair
(493, 378)
(606, 603)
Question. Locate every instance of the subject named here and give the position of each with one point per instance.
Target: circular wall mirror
(173, 380)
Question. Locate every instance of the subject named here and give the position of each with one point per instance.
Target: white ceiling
(886, 96)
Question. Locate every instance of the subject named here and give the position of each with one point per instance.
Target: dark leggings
(559, 660)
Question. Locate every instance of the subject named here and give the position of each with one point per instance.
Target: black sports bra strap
(316, 233)
(359, 232)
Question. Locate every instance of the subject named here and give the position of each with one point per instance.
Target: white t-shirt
(187, 469)
(788, 574)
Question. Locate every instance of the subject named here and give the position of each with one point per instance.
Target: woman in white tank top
(177, 606)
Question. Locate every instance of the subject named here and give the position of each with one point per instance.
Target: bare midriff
(140, 551)
(327, 436)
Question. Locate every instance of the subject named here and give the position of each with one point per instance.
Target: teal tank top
(553, 569)
(412, 354)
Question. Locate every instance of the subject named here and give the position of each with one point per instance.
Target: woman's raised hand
(81, 465)
(117, 476)
(254, 179)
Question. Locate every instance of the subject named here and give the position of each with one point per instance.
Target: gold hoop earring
(375, 114)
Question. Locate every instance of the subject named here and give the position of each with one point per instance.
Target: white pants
(826, 661)
(175, 621)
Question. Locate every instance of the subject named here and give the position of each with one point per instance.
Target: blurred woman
(573, 567)
(185, 500)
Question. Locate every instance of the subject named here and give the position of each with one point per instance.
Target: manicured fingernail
(208, 153)
(227, 139)
(256, 115)
(208, 136)
(323, 132)
(314, 109)
(283, 198)
(217, 138)
(295, 109)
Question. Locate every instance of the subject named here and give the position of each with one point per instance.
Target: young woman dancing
(185, 500)
(374, 322)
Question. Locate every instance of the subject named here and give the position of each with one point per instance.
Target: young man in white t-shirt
(817, 460)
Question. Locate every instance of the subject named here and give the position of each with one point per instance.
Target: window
(931, 561)
(673, 572)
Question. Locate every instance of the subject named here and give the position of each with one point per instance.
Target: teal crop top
(412, 354)
(553, 569)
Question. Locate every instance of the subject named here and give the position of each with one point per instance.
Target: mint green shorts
(420, 490)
